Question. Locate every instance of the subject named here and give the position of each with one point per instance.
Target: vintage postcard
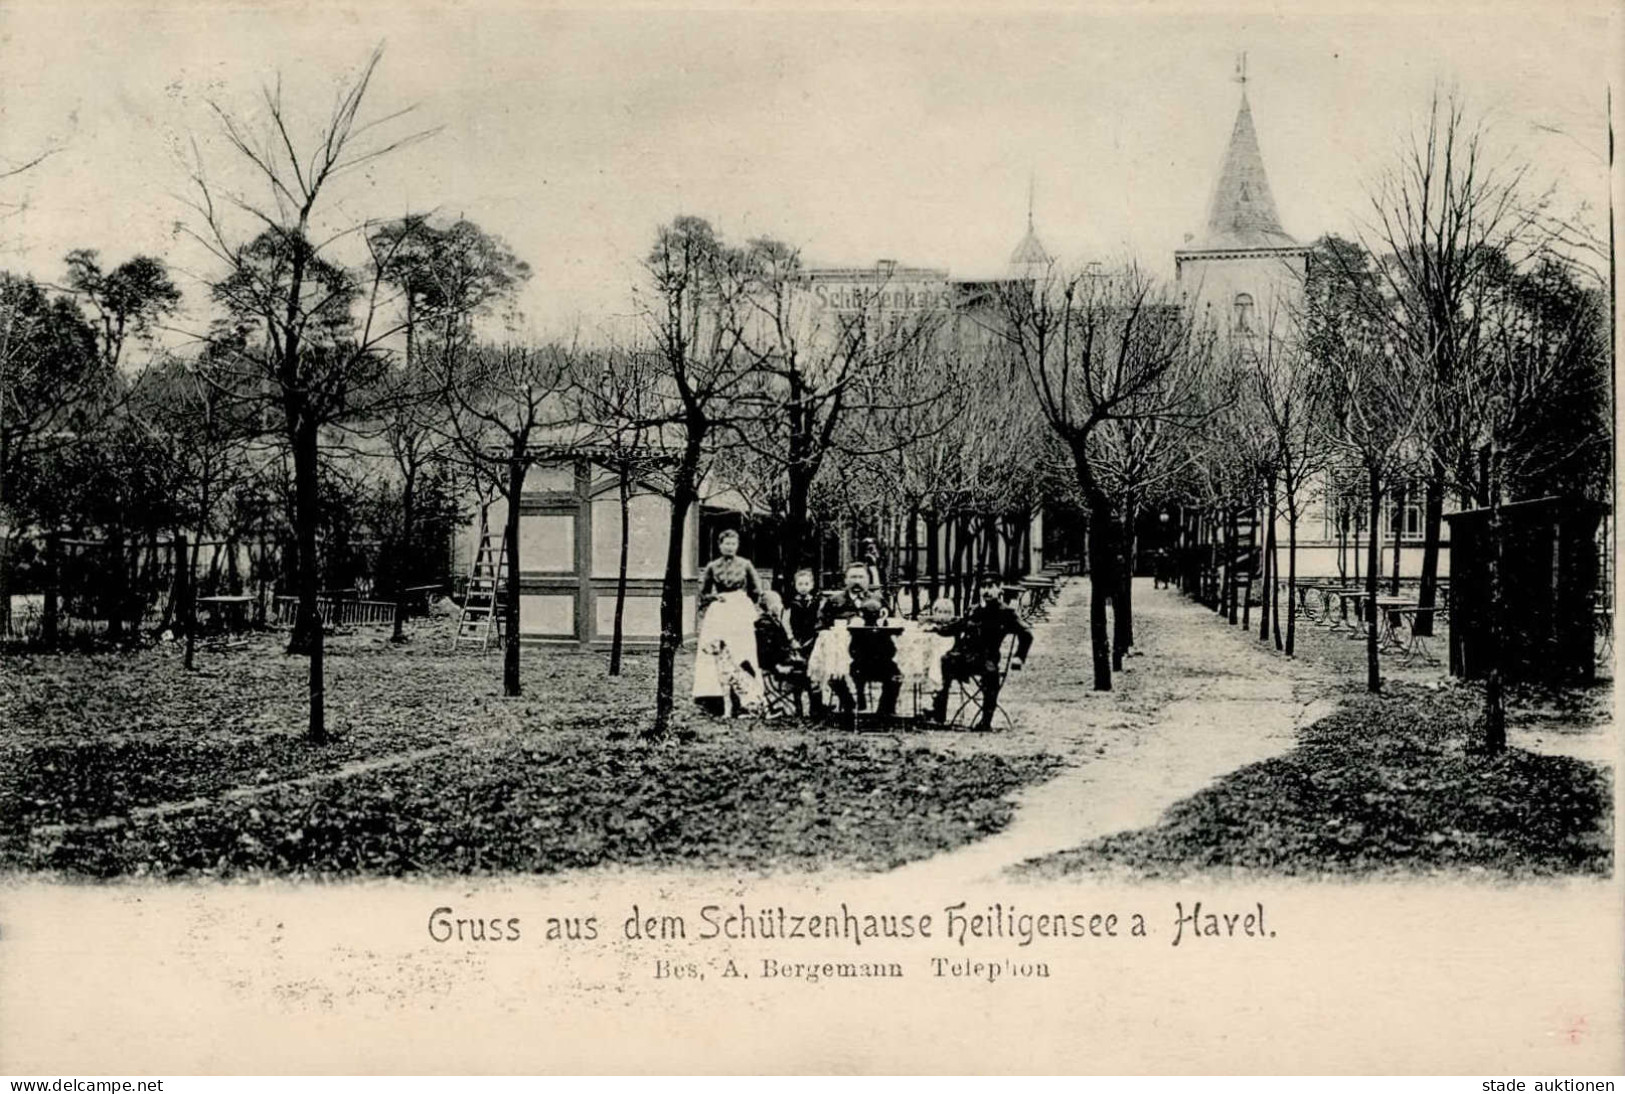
(808, 539)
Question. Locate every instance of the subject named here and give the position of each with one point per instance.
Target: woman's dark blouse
(727, 575)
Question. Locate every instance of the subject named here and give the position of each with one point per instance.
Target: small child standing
(803, 612)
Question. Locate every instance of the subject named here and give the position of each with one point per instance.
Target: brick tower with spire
(1245, 269)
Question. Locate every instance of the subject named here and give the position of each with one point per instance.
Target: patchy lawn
(1389, 784)
(125, 765)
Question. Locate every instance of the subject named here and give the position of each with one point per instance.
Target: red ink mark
(1576, 1031)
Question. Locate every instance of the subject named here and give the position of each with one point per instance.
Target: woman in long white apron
(729, 590)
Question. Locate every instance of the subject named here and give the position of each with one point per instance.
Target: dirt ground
(122, 763)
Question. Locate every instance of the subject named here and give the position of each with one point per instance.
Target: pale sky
(856, 135)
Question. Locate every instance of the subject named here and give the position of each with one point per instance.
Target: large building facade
(1243, 277)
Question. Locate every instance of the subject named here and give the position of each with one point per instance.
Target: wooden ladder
(481, 618)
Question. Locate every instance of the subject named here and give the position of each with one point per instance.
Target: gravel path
(1197, 700)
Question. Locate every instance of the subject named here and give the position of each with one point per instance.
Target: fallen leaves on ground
(547, 805)
(125, 765)
(1389, 783)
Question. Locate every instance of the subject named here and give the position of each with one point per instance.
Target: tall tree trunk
(214, 566)
(797, 526)
(956, 566)
(1274, 585)
(1356, 552)
(671, 589)
(1101, 589)
(403, 552)
(1232, 551)
(5, 582)
(1266, 582)
(172, 602)
(49, 619)
(1432, 532)
(1495, 712)
(1373, 672)
(306, 512)
(176, 608)
(113, 600)
(1123, 602)
(1292, 579)
(189, 599)
(617, 634)
(262, 576)
(510, 609)
(1399, 535)
(150, 582)
(932, 531)
(1342, 548)
(913, 544)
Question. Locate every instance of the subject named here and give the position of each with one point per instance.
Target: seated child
(942, 614)
(772, 640)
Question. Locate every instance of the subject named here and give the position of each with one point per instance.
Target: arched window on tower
(1244, 313)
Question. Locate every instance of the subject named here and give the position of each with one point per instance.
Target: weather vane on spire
(1241, 69)
(1030, 177)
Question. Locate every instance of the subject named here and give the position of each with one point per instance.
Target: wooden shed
(1549, 581)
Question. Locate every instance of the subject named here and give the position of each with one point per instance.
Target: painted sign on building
(884, 287)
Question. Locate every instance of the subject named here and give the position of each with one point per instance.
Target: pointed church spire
(1242, 213)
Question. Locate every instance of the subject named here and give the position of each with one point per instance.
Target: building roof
(1242, 214)
(1030, 252)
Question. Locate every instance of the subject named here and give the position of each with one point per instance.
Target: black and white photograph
(804, 540)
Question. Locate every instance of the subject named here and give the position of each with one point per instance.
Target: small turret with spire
(1029, 261)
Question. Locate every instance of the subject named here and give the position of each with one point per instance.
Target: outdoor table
(1035, 595)
(418, 596)
(1339, 593)
(1387, 609)
(1418, 646)
(227, 612)
(1304, 589)
(1356, 628)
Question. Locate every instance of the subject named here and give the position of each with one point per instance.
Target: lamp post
(1164, 558)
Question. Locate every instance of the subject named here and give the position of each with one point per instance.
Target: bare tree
(1536, 398)
(55, 390)
(819, 372)
(447, 276)
(617, 394)
(1289, 402)
(694, 314)
(200, 429)
(1104, 354)
(1376, 400)
(1443, 216)
(506, 403)
(311, 322)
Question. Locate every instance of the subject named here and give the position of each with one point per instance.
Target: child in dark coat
(802, 613)
(772, 640)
